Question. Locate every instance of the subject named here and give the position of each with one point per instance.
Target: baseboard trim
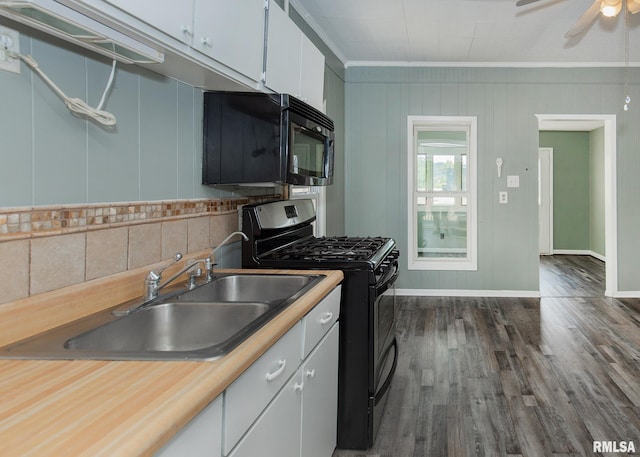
(468, 293)
(627, 294)
(580, 252)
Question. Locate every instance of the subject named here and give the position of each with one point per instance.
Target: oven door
(385, 345)
(384, 310)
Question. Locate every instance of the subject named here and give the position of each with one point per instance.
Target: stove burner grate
(332, 249)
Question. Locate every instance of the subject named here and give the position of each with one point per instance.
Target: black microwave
(265, 138)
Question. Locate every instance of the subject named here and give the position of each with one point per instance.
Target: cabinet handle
(186, 30)
(310, 373)
(298, 386)
(281, 364)
(205, 41)
(326, 317)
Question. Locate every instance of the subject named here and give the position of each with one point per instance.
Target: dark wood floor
(516, 377)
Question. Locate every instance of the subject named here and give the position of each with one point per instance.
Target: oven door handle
(387, 382)
(388, 279)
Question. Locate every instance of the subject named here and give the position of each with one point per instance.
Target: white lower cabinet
(277, 430)
(249, 395)
(320, 398)
(283, 405)
(301, 420)
(202, 437)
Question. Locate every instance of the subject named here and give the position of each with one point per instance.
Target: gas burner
(337, 249)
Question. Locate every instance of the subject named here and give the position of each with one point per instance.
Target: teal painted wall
(578, 189)
(505, 101)
(48, 156)
(571, 189)
(597, 189)
(335, 98)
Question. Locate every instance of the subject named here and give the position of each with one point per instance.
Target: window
(442, 193)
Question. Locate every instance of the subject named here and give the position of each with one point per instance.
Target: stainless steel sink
(200, 324)
(171, 327)
(249, 288)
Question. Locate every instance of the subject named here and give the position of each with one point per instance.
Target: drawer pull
(310, 373)
(281, 364)
(326, 317)
(298, 386)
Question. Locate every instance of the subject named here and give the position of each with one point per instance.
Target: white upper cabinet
(312, 74)
(224, 37)
(284, 42)
(171, 17)
(232, 32)
(294, 65)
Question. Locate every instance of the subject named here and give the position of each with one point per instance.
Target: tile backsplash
(46, 248)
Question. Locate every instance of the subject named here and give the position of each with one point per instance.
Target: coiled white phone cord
(77, 105)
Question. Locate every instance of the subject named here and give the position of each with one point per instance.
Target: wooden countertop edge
(148, 426)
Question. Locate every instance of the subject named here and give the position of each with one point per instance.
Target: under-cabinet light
(70, 25)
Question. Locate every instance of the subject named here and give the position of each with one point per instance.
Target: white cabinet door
(202, 437)
(294, 65)
(277, 432)
(320, 398)
(284, 44)
(312, 74)
(171, 17)
(231, 32)
(247, 397)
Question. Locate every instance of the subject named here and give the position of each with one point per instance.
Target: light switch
(513, 181)
(503, 197)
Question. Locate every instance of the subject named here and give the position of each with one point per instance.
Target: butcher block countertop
(114, 408)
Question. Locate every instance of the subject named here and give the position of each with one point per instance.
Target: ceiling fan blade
(525, 2)
(587, 18)
(633, 6)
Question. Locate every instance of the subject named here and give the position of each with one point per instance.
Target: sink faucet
(152, 282)
(209, 261)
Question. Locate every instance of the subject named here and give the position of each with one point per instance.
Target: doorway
(545, 201)
(587, 123)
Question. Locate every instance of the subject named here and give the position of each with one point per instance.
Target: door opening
(545, 201)
(570, 122)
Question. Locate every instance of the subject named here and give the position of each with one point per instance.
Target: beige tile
(174, 238)
(145, 244)
(14, 270)
(107, 252)
(198, 237)
(222, 226)
(57, 261)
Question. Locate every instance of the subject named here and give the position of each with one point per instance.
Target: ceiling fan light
(609, 9)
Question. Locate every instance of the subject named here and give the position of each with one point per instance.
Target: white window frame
(442, 263)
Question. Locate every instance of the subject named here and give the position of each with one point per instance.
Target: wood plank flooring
(515, 377)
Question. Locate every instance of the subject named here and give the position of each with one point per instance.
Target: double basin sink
(204, 323)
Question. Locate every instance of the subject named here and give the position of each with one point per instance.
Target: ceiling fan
(609, 8)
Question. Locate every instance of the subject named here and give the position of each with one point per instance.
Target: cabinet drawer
(276, 433)
(248, 396)
(320, 319)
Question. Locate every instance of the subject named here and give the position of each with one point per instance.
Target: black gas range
(280, 235)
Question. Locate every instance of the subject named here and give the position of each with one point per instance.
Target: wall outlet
(503, 197)
(9, 44)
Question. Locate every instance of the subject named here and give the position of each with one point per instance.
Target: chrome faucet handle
(177, 257)
(193, 277)
(151, 282)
